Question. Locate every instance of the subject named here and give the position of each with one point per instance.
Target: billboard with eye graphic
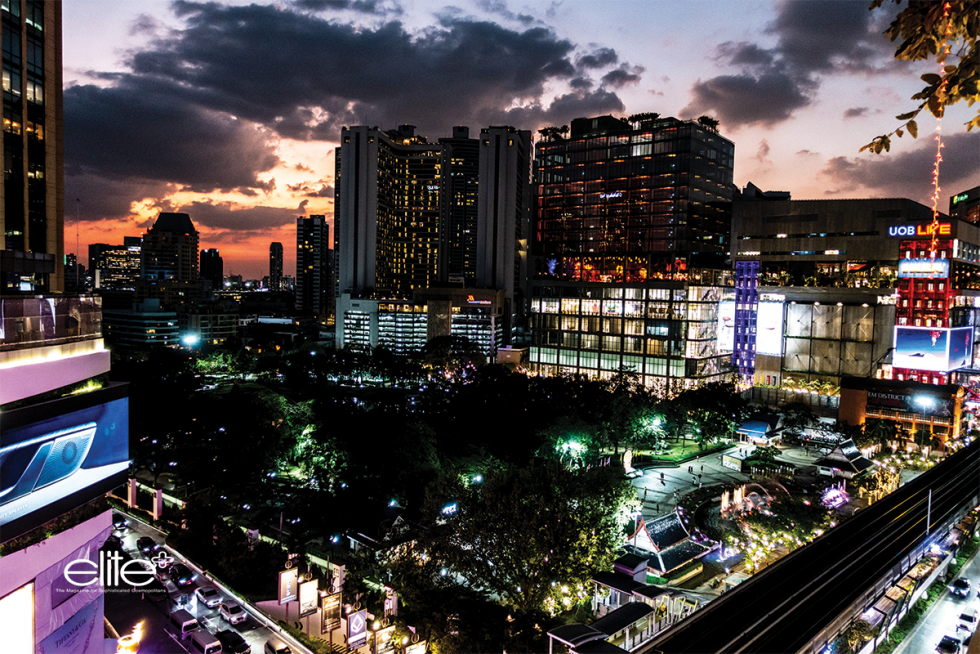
(55, 456)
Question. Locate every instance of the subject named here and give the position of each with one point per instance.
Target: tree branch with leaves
(931, 30)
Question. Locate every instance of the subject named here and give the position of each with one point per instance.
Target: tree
(708, 123)
(532, 536)
(767, 454)
(923, 27)
(798, 419)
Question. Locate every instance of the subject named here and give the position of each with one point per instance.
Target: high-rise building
(170, 249)
(458, 206)
(168, 260)
(413, 215)
(275, 267)
(631, 225)
(966, 205)
(32, 193)
(503, 212)
(212, 268)
(312, 243)
(116, 267)
(387, 217)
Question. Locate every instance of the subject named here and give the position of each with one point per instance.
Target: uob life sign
(942, 229)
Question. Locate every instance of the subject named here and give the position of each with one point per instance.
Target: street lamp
(190, 340)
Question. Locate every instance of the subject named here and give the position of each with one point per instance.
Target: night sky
(231, 112)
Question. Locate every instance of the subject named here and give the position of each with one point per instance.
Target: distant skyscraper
(458, 200)
(275, 267)
(32, 200)
(212, 268)
(168, 260)
(116, 267)
(312, 240)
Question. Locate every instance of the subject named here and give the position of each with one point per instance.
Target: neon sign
(935, 229)
(472, 300)
(959, 198)
(613, 194)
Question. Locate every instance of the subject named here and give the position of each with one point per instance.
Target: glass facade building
(631, 232)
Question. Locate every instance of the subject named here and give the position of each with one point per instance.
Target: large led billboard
(769, 329)
(923, 268)
(726, 326)
(55, 456)
(933, 349)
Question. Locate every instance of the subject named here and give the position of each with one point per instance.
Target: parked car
(181, 575)
(231, 641)
(119, 521)
(960, 587)
(147, 545)
(209, 596)
(232, 612)
(968, 621)
(948, 645)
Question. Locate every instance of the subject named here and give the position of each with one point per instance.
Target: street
(124, 610)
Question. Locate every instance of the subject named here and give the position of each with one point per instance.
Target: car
(231, 641)
(146, 545)
(209, 596)
(968, 621)
(119, 521)
(960, 587)
(232, 612)
(181, 575)
(113, 543)
(948, 645)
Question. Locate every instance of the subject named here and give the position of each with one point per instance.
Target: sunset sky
(230, 111)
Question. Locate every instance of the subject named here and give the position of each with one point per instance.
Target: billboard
(726, 326)
(932, 348)
(923, 268)
(769, 329)
(55, 456)
(357, 629)
(79, 633)
(309, 593)
(287, 585)
(331, 613)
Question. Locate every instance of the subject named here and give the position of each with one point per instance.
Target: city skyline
(196, 108)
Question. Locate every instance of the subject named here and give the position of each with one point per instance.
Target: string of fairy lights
(946, 48)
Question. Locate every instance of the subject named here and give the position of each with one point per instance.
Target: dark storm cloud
(143, 132)
(107, 198)
(225, 216)
(305, 77)
(499, 8)
(312, 189)
(625, 75)
(909, 174)
(581, 83)
(598, 58)
(561, 111)
(814, 38)
(855, 112)
(363, 6)
(747, 99)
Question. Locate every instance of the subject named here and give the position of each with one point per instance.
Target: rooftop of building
(175, 223)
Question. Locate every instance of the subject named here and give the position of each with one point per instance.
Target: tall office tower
(631, 225)
(312, 239)
(275, 267)
(116, 267)
(168, 261)
(966, 205)
(387, 216)
(170, 249)
(458, 199)
(32, 193)
(212, 268)
(503, 213)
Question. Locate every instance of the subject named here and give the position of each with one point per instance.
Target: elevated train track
(801, 602)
